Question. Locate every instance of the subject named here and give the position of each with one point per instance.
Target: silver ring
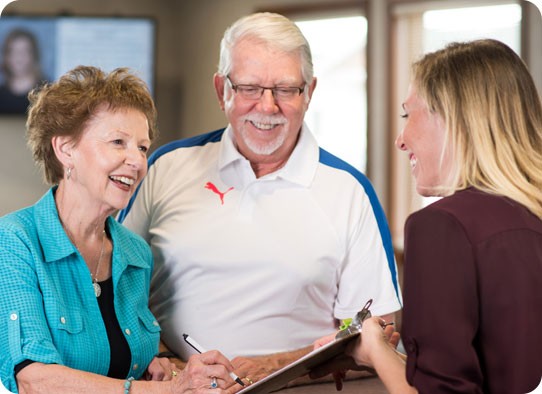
(214, 383)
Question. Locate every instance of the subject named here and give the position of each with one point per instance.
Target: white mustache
(268, 119)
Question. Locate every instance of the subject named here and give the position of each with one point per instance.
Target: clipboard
(280, 378)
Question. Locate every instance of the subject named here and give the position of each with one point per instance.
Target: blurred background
(362, 54)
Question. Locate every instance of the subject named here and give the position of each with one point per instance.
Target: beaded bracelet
(127, 385)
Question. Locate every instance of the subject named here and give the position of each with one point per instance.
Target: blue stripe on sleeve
(199, 140)
(330, 160)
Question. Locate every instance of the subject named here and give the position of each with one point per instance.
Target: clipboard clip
(357, 321)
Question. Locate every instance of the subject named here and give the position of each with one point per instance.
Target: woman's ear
(63, 148)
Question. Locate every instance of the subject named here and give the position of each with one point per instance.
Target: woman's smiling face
(423, 139)
(110, 160)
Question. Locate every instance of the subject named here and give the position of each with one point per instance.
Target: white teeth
(123, 179)
(413, 162)
(263, 126)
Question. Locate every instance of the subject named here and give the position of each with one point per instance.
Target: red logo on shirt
(213, 188)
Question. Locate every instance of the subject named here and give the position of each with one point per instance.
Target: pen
(200, 349)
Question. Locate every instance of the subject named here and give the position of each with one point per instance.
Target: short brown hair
(64, 107)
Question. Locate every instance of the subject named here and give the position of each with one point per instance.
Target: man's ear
(218, 81)
(63, 148)
(311, 87)
(310, 90)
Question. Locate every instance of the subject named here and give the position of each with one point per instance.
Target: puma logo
(213, 188)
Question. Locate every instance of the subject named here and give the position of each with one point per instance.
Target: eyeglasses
(254, 92)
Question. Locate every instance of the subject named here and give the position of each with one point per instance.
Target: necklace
(94, 278)
(95, 284)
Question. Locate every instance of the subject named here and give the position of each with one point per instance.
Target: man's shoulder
(330, 160)
(186, 143)
(342, 174)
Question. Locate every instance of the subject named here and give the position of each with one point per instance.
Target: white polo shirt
(257, 266)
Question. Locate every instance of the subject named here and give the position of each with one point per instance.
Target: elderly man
(263, 242)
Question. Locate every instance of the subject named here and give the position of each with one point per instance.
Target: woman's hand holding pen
(201, 372)
(237, 382)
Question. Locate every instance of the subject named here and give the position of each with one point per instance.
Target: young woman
(473, 260)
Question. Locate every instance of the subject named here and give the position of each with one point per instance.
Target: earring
(69, 173)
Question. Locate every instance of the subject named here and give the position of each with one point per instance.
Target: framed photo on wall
(37, 49)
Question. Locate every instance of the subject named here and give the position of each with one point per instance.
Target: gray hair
(274, 30)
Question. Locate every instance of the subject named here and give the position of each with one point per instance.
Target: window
(501, 22)
(337, 115)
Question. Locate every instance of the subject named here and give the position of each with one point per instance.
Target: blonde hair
(493, 118)
(64, 107)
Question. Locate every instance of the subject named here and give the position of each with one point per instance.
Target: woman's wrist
(128, 385)
(153, 387)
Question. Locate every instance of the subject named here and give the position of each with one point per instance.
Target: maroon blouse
(472, 317)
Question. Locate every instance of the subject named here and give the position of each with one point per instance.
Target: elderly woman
(473, 260)
(74, 283)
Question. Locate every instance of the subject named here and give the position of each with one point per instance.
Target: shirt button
(135, 367)
(128, 332)
(155, 323)
(13, 316)
(63, 320)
